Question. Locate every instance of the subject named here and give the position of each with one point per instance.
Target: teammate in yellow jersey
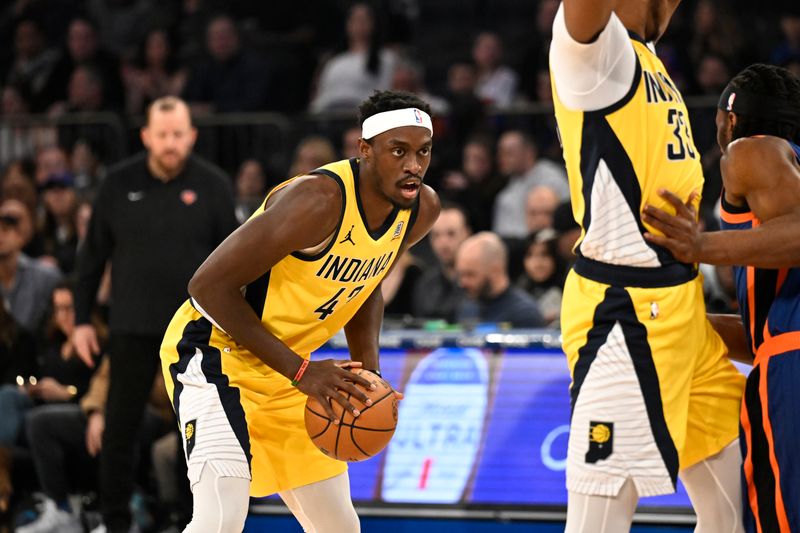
(653, 393)
(308, 263)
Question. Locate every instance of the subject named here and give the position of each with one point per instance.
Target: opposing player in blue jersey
(758, 129)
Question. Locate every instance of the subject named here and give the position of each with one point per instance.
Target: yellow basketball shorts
(236, 414)
(652, 388)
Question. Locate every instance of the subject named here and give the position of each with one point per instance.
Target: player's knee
(345, 522)
(228, 517)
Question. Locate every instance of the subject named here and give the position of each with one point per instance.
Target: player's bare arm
(760, 171)
(586, 18)
(302, 215)
(363, 330)
(731, 330)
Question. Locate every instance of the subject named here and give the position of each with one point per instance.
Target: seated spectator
(83, 49)
(467, 116)
(51, 159)
(713, 74)
(251, 185)
(476, 184)
(311, 153)
(33, 65)
(350, 77)
(86, 166)
(15, 141)
(535, 57)
(543, 277)
(232, 78)
(123, 23)
(788, 50)
(409, 76)
(497, 83)
(25, 284)
(17, 362)
(482, 269)
(59, 236)
(19, 187)
(86, 93)
(518, 158)
(61, 376)
(154, 73)
(539, 208)
(350, 138)
(436, 293)
(18, 183)
(66, 440)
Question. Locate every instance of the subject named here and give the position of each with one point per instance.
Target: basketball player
(653, 393)
(308, 263)
(758, 128)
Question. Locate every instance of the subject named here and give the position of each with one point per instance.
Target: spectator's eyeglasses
(9, 221)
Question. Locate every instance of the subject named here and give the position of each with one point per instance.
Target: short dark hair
(773, 83)
(455, 206)
(382, 101)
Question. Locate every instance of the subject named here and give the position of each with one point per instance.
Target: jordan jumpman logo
(349, 237)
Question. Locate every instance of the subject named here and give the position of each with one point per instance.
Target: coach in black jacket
(156, 218)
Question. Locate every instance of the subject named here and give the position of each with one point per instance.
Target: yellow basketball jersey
(618, 158)
(304, 300)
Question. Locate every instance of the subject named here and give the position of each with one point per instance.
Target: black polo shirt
(156, 234)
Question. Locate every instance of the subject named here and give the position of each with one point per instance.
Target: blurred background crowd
(273, 88)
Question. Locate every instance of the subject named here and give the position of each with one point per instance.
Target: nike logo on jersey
(135, 196)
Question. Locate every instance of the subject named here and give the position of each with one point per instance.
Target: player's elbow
(199, 286)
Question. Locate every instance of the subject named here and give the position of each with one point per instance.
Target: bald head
(485, 247)
(540, 206)
(481, 265)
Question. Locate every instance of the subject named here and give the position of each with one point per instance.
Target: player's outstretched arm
(300, 216)
(761, 172)
(362, 331)
(586, 18)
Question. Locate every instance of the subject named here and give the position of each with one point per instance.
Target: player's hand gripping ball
(355, 439)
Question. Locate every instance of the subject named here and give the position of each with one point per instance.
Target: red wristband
(300, 372)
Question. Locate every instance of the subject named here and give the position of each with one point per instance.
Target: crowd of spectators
(502, 245)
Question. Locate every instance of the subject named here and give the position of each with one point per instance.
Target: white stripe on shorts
(214, 439)
(611, 393)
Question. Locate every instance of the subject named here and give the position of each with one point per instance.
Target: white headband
(380, 122)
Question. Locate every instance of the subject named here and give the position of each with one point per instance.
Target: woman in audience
(154, 74)
(543, 277)
(349, 77)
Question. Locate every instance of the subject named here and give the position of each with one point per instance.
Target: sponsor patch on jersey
(398, 230)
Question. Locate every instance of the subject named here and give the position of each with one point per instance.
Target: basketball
(355, 439)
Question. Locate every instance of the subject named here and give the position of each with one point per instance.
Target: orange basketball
(355, 439)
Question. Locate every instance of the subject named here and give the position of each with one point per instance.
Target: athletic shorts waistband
(628, 276)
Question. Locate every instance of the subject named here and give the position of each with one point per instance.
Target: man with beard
(482, 269)
(436, 294)
(156, 218)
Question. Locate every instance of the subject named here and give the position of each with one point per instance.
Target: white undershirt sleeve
(594, 75)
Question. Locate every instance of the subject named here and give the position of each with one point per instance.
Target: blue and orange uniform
(769, 302)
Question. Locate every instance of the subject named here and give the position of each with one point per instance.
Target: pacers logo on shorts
(189, 432)
(601, 441)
